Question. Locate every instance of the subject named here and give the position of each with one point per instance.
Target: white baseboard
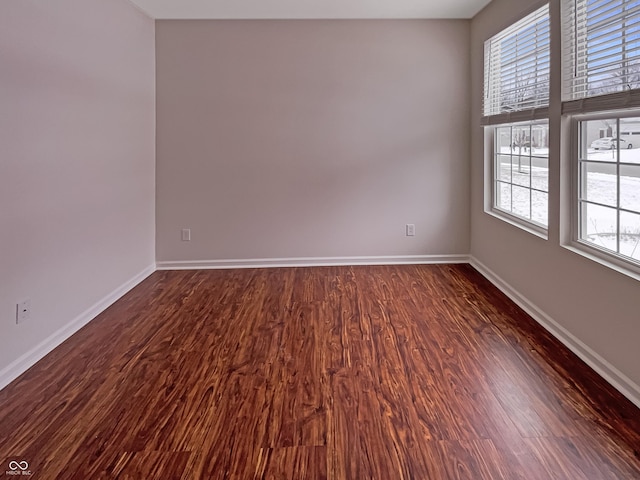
(607, 371)
(26, 361)
(310, 262)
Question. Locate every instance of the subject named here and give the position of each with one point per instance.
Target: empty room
(350, 239)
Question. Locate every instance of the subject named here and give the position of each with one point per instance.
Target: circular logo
(13, 465)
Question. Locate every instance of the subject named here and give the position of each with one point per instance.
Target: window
(602, 61)
(602, 91)
(516, 100)
(521, 171)
(609, 187)
(516, 71)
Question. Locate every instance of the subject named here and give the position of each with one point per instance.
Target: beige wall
(76, 162)
(279, 139)
(597, 305)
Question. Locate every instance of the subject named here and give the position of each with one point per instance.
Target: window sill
(520, 223)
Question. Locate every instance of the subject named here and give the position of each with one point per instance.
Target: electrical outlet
(186, 234)
(23, 310)
(411, 230)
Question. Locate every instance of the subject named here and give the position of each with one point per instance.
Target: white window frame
(575, 243)
(492, 206)
(520, 109)
(538, 113)
(578, 106)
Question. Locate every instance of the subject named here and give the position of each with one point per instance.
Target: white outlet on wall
(411, 230)
(186, 234)
(23, 310)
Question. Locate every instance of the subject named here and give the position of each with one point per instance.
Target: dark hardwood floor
(386, 373)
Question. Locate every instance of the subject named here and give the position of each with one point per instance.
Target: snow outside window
(609, 186)
(521, 171)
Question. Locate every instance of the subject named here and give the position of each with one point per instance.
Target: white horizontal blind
(602, 55)
(516, 71)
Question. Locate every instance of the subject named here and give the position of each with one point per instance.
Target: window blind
(516, 71)
(602, 55)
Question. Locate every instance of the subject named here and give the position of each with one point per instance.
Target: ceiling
(309, 9)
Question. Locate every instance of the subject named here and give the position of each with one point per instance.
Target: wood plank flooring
(386, 372)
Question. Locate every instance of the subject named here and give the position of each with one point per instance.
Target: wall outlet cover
(410, 230)
(23, 310)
